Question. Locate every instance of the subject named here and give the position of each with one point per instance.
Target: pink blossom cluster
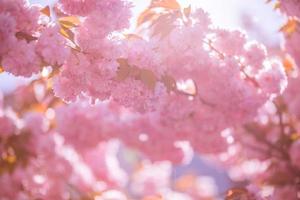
(131, 73)
(36, 176)
(290, 8)
(270, 144)
(167, 57)
(180, 86)
(75, 121)
(97, 63)
(48, 168)
(7, 127)
(103, 122)
(27, 44)
(35, 163)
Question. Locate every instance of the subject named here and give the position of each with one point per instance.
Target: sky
(224, 13)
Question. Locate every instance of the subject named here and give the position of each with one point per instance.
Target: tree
(177, 85)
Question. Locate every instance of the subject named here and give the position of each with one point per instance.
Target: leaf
(164, 24)
(69, 21)
(288, 64)
(124, 69)
(135, 72)
(295, 137)
(132, 36)
(40, 108)
(10, 159)
(67, 24)
(46, 11)
(145, 16)
(75, 48)
(67, 33)
(154, 197)
(280, 178)
(290, 27)
(169, 4)
(25, 36)
(236, 193)
(169, 82)
(277, 5)
(186, 182)
(148, 78)
(1, 69)
(187, 11)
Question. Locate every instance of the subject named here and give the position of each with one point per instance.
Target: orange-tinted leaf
(135, 72)
(164, 24)
(236, 193)
(295, 136)
(11, 159)
(277, 5)
(186, 182)
(288, 64)
(67, 33)
(154, 197)
(124, 69)
(46, 11)
(169, 82)
(290, 27)
(27, 37)
(67, 24)
(41, 108)
(75, 48)
(187, 11)
(133, 37)
(169, 4)
(145, 16)
(69, 21)
(148, 78)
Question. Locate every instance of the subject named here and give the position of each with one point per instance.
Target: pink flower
(7, 31)
(272, 79)
(51, 45)
(26, 16)
(229, 42)
(22, 60)
(85, 126)
(255, 54)
(103, 162)
(78, 7)
(201, 19)
(7, 126)
(290, 7)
